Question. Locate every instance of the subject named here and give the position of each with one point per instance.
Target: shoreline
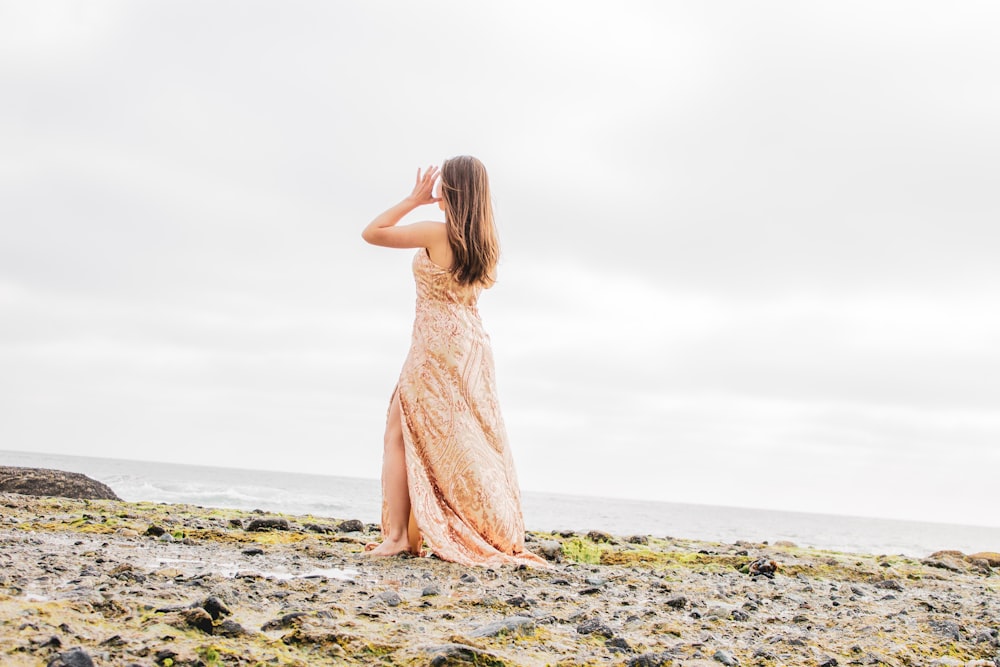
(331, 495)
(211, 589)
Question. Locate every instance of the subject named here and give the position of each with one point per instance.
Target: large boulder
(44, 482)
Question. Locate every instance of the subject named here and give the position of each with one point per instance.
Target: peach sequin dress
(463, 488)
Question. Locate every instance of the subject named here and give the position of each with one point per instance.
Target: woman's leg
(401, 523)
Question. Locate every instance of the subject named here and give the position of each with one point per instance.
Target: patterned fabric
(463, 489)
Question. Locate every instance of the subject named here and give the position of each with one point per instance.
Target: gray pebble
(550, 550)
(391, 598)
(275, 523)
(677, 602)
(725, 658)
(596, 627)
(521, 625)
(351, 526)
(75, 657)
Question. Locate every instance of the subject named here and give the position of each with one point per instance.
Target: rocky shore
(105, 582)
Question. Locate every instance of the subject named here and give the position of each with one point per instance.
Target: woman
(447, 472)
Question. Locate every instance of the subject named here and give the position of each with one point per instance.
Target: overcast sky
(750, 250)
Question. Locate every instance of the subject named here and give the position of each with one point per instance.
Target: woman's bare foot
(388, 548)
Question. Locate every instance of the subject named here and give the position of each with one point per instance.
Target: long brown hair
(472, 235)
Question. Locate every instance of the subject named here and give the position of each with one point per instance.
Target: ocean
(354, 498)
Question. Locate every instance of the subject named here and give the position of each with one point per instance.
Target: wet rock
(550, 550)
(618, 643)
(980, 565)
(449, 655)
(351, 526)
(596, 627)
(391, 598)
(45, 482)
(272, 523)
(198, 618)
(215, 607)
(988, 635)
(947, 661)
(677, 602)
(725, 658)
(719, 612)
(991, 557)
(52, 641)
(283, 622)
(75, 657)
(317, 528)
(889, 584)
(330, 642)
(163, 655)
(649, 660)
(948, 629)
(125, 572)
(945, 563)
(519, 625)
(763, 567)
(230, 628)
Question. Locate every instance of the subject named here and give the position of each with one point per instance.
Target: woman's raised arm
(382, 231)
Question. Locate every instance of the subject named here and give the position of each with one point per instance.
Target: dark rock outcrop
(44, 482)
(263, 525)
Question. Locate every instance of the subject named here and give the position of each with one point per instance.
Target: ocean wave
(248, 497)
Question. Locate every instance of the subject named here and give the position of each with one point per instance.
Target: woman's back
(438, 285)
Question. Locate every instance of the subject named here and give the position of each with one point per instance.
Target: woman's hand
(423, 191)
